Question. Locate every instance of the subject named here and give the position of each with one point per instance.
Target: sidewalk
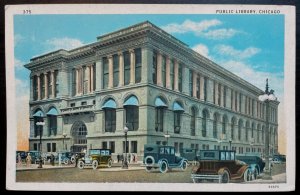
(279, 178)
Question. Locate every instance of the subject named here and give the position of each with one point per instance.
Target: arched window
(38, 117)
(204, 122)
(224, 125)
(160, 105)
(109, 108)
(132, 113)
(193, 121)
(215, 126)
(240, 129)
(247, 129)
(52, 121)
(232, 128)
(178, 110)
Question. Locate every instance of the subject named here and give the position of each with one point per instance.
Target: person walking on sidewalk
(19, 160)
(28, 160)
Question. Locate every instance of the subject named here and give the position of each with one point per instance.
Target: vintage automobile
(279, 158)
(220, 165)
(95, 158)
(189, 153)
(35, 156)
(256, 164)
(162, 157)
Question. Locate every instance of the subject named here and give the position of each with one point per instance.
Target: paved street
(135, 173)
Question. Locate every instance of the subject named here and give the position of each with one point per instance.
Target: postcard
(150, 97)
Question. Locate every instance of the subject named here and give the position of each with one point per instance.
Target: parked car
(35, 157)
(220, 165)
(162, 157)
(279, 158)
(95, 158)
(256, 164)
(189, 153)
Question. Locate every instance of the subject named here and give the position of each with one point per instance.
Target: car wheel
(148, 169)
(73, 159)
(149, 160)
(80, 164)
(184, 165)
(66, 161)
(95, 164)
(247, 175)
(255, 174)
(276, 160)
(163, 167)
(225, 177)
(109, 164)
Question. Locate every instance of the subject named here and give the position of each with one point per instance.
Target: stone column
(77, 81)
(176, 75)
(120, 120)
(52, 84)
(39, 86)
(233, 100)
(63, 82)
(216, 92)
(159, 69)
(121, 69)
(255, 108)
(238, 102)
(194, 84)
(201, 87)
(80, 71)
(222, 96)
(243, 104)
(88, 78)
(92, 78)
(99, 64)
(132, 66)
(210, 88)
(46, 85)
(111, 71)
(185, 80)
(228, 97)
(168, 80)
(147, 65)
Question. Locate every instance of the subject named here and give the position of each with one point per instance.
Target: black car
(279, 158)
(255, 163)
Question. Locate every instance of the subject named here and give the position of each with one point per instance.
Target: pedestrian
(134, 158)
(52, 159)
(28, 160)
(76, 159)
(118, 157)
(19, 160)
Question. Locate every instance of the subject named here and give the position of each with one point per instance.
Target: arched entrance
(78, 133)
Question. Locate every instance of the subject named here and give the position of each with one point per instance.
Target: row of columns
(84, 75)
(39, 78)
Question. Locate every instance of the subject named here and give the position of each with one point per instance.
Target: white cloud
(63, 43)
(202, 49)
(191, 26)
(228, 50)
(220, 33)
(17, 39)
(18, 63)
(257, 78)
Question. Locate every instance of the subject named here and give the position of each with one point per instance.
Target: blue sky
(251, 46)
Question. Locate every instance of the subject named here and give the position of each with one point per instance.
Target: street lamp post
(267, 97)
(40, 124)
(230, 144)
(64, 136)
(167, 136)
(125, 163)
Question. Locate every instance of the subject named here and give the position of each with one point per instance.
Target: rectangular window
(240, 103)
(197, 147)
(85, 79)
(42, 80)
(110, 120)
(172, 74)
(49, 85)
(224, 95)
(132, 117)
(56, 83)
(191, 82)
(163, 68)
(126, 68)
(83, 103)
(115, 70)
(138, 65)
(180, 146)
(73, 82)
(35, 88)
(48, 147)
(94, 77)
(205, 89)
(133, 147)
(53, 147)
(104, 145)
(159, 119)
(219, 94)
(198, 86)
(105, 73)
(235, 100)
(112, 147)
(180, 77)
(35, 146)
(154, 69)
(177, 117)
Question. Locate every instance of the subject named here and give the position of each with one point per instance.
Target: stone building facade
(146, 79)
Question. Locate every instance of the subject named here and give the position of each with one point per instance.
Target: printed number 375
(26, 11)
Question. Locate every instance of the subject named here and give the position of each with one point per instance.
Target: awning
(177, 107)
(52, 111)
(39, 114)
(109, 104)
(159, 102)
(132, 101)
